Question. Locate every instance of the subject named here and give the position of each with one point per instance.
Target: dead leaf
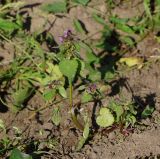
(132, 61)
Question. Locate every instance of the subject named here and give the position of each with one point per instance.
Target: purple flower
(92, 88)
(66, 35)
(61, 39)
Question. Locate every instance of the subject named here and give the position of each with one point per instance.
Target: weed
(71, 67)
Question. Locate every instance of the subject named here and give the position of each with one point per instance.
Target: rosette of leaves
(124, 113)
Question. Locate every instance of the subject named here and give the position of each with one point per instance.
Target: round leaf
(105, 118)
(69, 68)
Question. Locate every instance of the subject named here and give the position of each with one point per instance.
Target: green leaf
(157, 2)
(90, 56)
(128, 40)
(130, 120)
(86, 97)
(147, 111)
(81, 88)
(117, 20)
(59, 6)
(17, 154)
(49, 94)
(108, 72)
(82, 71)
(147, 7)
(7, 25)
(118, 109)
(121, 24)
(99, 19)
(131, 108)
(21, 95)
(124, 27)
(69, 68)
(109, 75)
(156, 19)
(78, 26)
(105, 118)
(62, 91)
(95, 75)
(53, 71)
(84, 138)
(19, 20)
(83, 2)
(12, 5)
(56, 116)
(86, 131)
(2, 125)
(80, 144)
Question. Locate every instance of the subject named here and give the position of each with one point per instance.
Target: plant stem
(42, 108)
(73, 116)
(70, 95)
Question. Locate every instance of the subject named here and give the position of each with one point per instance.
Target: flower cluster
(92, 88)
(67, 35)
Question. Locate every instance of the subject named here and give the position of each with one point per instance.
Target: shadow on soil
(3, 108)
(141, 104)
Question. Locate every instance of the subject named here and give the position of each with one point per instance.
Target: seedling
(121, 115)
(72, 67)
(125, 114)
(69, 69)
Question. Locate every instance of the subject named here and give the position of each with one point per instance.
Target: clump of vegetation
(73, 67)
